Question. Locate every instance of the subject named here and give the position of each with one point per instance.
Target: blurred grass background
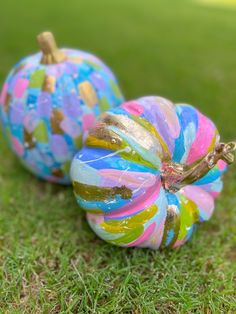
(50, 261)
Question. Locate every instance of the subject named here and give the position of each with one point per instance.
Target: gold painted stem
(50, 52)
(175, 176)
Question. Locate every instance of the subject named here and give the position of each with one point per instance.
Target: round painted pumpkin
(49, 100)
(149, 173)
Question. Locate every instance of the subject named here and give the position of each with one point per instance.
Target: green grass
(50, 261)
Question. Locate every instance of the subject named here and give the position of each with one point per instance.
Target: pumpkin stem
(175, 176)
(50, 52)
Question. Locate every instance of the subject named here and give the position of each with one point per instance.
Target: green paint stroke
(104, 104)
(189, 215)
(116, 89)
(129, 237)
(37, 79)
(41, 133)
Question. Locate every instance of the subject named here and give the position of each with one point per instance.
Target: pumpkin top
(60, 73)
(50, 51)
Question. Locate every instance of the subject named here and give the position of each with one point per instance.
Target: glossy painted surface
(46, 109)
(116, 176)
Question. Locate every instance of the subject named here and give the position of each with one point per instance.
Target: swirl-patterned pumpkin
(149, 173)
(47, 103)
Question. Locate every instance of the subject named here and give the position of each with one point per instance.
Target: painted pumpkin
(149, 173)
(49, 100)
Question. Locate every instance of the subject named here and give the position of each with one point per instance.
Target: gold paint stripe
(172, 223)
(100, 194)
(56, 119)
(88, 94)
(49, 84)
(134, 130)
(102, 133)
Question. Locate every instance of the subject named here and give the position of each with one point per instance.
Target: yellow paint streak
(189, 215)
(92, 141)
(130, 223)
(213, 142)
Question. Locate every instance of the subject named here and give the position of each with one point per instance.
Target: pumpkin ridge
(93, 141)
(148, 126)
(133, 125)
(172, 224)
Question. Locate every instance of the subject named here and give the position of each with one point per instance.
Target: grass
(220, 2)
(50, 261)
